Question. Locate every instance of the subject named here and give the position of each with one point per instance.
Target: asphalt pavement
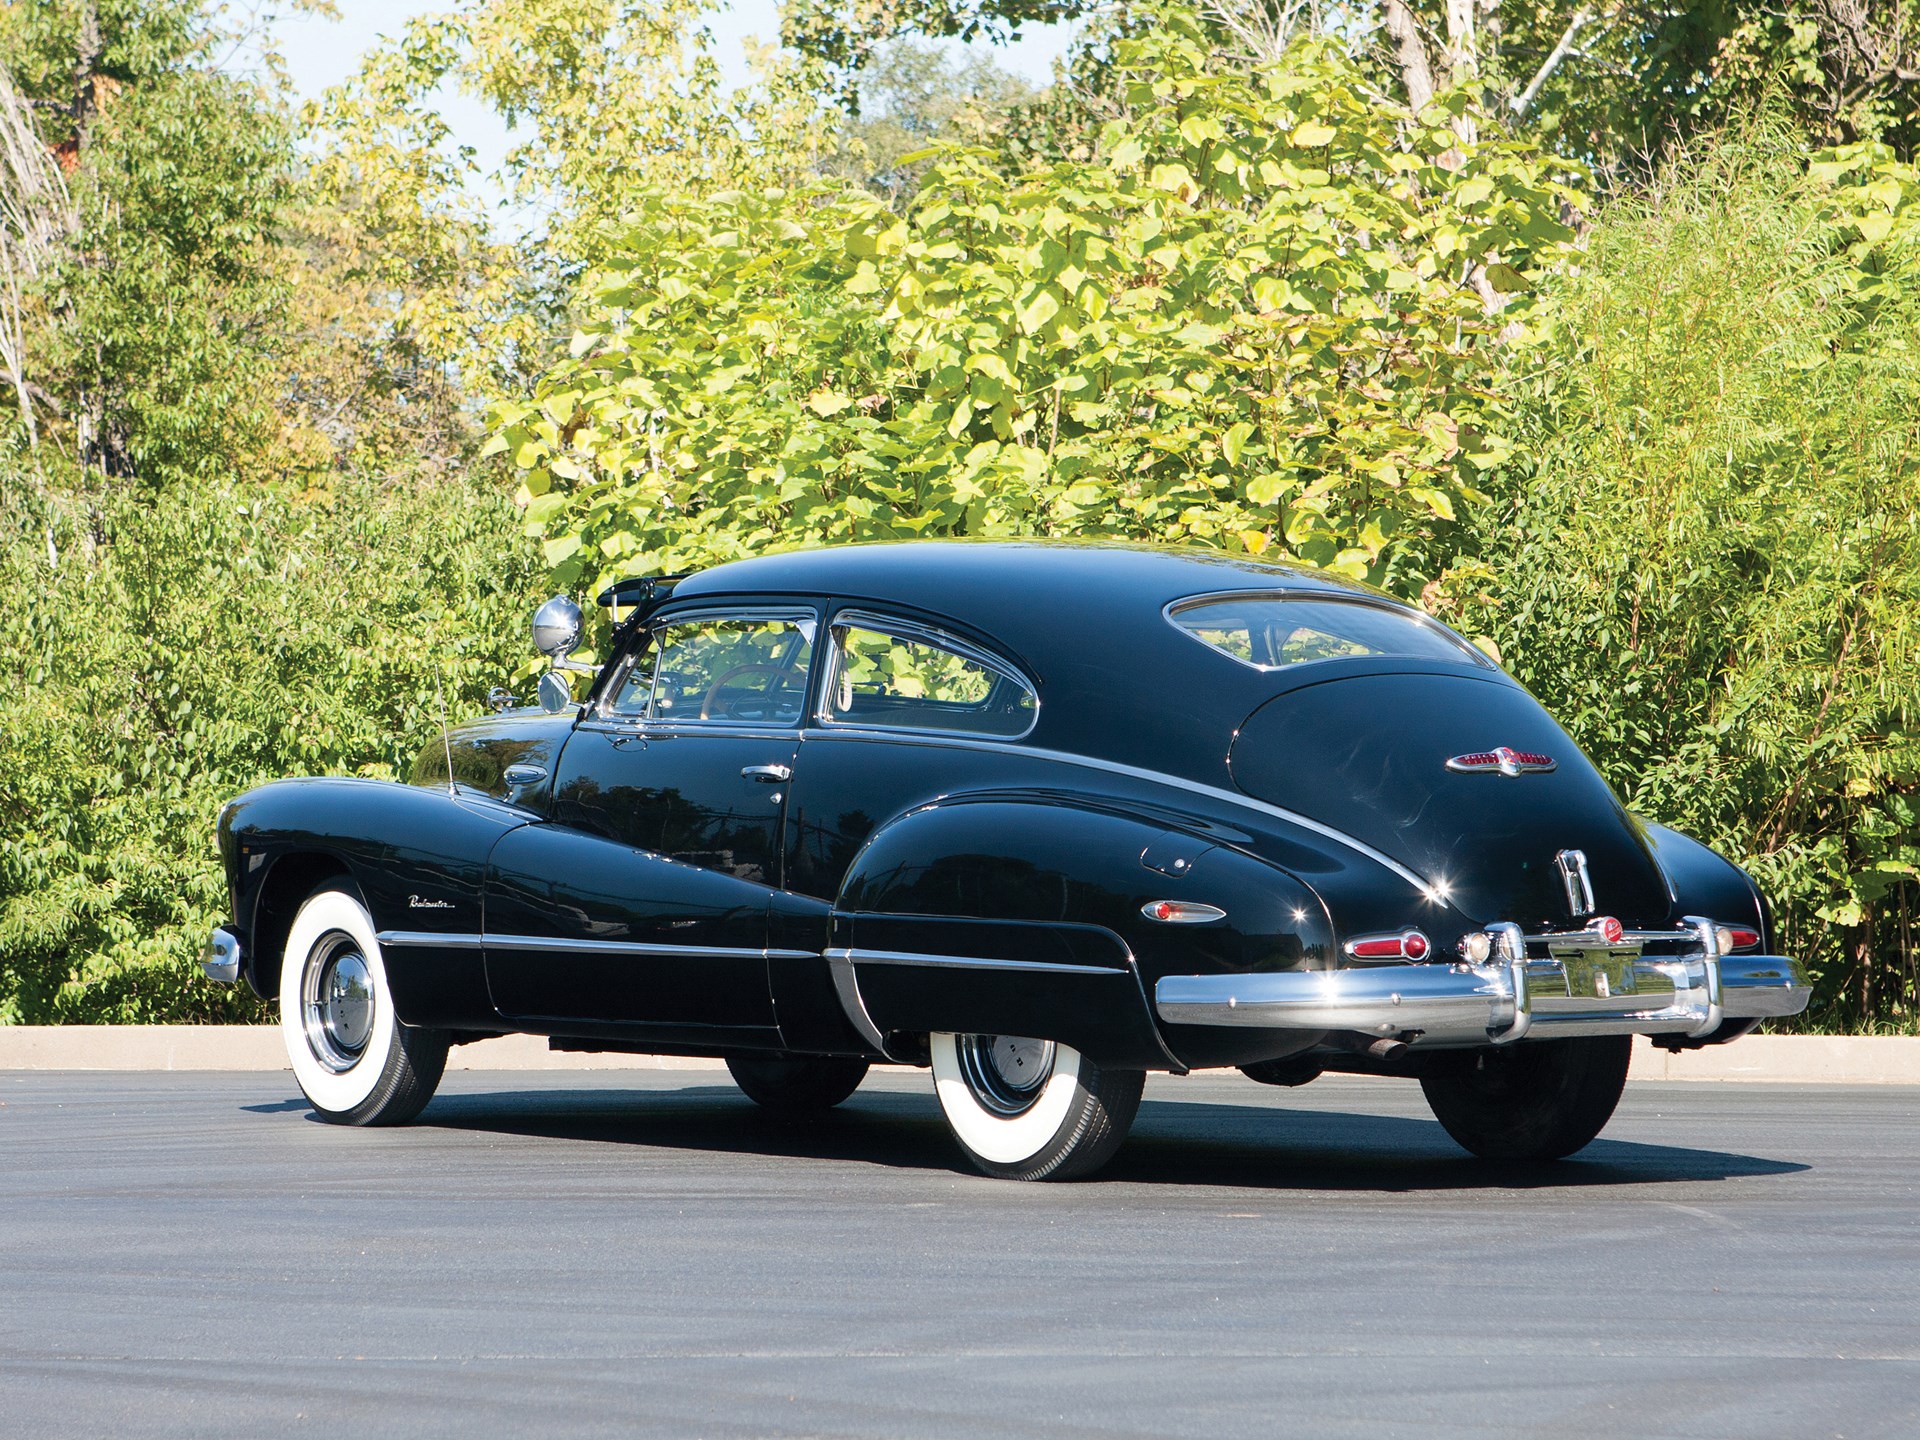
(645, 1253)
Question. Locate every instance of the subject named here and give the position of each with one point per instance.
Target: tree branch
(1521, 102)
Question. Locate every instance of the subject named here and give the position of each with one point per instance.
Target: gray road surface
(640, 1252)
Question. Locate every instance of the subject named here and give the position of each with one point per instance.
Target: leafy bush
(1257, 319)
(1713, 578)
(194, 643)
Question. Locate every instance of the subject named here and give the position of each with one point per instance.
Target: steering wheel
(751, 668)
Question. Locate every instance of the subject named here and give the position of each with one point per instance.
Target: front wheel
(1533, 1101)
(1026, 1109)
(354, 1060)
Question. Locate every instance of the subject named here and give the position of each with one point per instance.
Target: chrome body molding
(967, 962)
(220, 956)
(453, 940)
(1566, 993)
(846, 989)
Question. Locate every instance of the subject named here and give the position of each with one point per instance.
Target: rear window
(1271, 631)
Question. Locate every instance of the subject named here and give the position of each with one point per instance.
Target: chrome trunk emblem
(1505, 759)
(1572, 865)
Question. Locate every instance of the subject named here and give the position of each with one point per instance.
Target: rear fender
(1009, 916)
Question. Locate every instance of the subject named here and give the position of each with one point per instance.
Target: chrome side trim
(846, 988)
(432, 939)
(429, 940)
(220, 958)
(969, 962)
(1427, 888)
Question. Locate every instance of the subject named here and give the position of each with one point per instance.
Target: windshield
(1271, 631)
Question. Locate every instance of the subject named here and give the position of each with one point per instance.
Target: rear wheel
(1538, 1101)
(1026, 1109)
(796, 1084)
(355, 1061)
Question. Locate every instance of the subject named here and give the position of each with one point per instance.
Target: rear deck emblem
(1506, 760)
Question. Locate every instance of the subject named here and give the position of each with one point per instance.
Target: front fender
(417, 858)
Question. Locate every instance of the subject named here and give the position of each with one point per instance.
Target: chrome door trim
(1427, 888)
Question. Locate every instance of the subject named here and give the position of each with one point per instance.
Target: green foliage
(1713, 578)
(168, 307)
(210, 639)
(1251, 320)
(607, 98)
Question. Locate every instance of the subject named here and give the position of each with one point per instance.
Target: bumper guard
(220, 956)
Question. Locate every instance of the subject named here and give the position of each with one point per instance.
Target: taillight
(1181, 912)
(1401, 945)
(1736, 937)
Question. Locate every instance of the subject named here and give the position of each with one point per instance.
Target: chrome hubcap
(1006, 1073)
(337, 1001)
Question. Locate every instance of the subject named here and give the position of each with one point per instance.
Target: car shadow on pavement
(1173, 1142)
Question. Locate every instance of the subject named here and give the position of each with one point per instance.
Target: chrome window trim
(1471, 653)
(1427, 888)
(916, 632)
(467, 940)
(803, 618)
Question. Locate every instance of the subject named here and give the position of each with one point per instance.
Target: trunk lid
(1367, 754)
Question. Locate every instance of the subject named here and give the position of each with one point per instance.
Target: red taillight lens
(1737, 937)
(1407, 945)
(1380, 947)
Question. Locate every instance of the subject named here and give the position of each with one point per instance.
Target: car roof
(972, 579)
(1085, 619)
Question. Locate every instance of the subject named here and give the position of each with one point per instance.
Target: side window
(913, 682)
(720, 670)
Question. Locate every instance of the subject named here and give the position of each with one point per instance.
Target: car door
(645, 899)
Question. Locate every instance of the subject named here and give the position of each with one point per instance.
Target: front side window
(912, 681)
(723, 670)
(1271, 631)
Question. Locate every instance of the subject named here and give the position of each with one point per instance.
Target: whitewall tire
(352, 1057)
(1026, 1109)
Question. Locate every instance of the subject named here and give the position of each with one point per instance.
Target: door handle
(518, 775)
(767, 774)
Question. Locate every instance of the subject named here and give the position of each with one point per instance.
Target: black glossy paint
(1368, 752)
(1040, 852)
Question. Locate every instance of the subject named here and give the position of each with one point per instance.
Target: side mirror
(555, 693)
(556, 628)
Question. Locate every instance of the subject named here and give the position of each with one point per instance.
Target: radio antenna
(446, 739)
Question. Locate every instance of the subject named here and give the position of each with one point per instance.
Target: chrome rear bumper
(1572, 989)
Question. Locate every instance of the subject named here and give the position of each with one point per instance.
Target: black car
(1040, 817)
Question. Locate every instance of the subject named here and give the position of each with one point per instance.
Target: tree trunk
(1410, 54)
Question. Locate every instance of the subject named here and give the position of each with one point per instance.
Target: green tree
(1712, 576)
(1257, 319)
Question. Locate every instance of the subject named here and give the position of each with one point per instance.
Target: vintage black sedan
(1041, 818)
